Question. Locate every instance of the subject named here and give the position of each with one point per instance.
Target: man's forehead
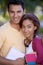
(18, 6)
(15, 8)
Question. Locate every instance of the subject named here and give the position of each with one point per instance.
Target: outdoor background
(35, 6)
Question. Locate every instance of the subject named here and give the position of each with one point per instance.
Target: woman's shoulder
(38, 39)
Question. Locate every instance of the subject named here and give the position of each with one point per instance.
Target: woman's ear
(35, 27)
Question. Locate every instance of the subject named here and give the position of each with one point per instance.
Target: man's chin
(16, 22)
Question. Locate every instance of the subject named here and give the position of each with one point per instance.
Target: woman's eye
(29, 26)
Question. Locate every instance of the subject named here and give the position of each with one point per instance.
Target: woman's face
(28, 28)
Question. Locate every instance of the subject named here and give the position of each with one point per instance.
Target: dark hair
(32, 17)
(16, 2)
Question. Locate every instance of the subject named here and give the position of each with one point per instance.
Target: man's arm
(4, 61)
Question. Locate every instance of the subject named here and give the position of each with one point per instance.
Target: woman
(30, 26)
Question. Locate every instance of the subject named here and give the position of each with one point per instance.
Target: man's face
(15, 13)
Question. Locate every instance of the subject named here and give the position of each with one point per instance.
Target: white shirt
(14, 54)
(29, 49)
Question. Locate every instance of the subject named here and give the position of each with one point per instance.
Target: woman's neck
(27, 41)
(30, 38)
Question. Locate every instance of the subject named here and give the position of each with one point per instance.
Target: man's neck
(16, 26)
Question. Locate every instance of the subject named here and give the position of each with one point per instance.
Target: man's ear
(24, 11)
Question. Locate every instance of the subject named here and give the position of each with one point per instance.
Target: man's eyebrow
(19, 11)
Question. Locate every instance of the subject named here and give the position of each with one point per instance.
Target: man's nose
(15, 15)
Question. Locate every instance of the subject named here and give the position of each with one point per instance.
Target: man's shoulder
(4, 26)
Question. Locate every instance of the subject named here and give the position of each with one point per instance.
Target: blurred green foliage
(40, 31)
(29, 4)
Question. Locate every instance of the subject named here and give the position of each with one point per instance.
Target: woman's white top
(29, 49)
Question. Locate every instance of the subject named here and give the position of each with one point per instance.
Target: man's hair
(16, 2)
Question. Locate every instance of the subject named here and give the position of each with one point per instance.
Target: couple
(11, 34)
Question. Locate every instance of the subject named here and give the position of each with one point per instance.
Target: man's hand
(19, 61)
(4, 61)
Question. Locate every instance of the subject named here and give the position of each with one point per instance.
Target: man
(11, 35)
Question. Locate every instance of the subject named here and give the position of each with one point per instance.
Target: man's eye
(19, 11)
(11, 12)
